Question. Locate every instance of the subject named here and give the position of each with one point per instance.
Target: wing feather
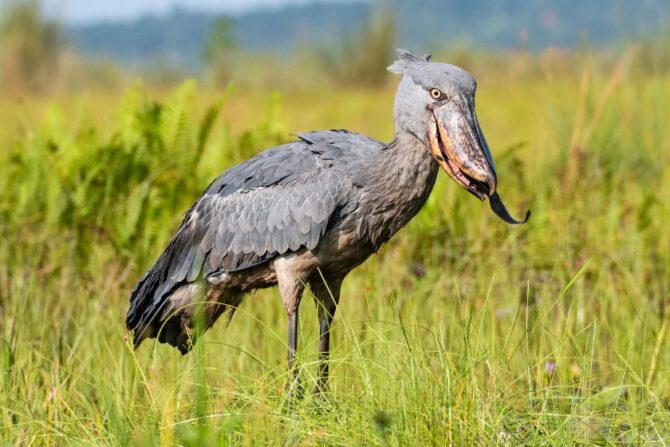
(279, 201)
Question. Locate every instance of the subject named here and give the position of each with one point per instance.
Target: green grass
(461, 331)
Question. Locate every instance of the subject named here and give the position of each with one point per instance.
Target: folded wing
(277, 202)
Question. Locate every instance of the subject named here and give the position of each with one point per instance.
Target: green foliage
(113, 189)
(462, 331)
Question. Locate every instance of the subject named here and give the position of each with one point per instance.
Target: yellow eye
(435, 93)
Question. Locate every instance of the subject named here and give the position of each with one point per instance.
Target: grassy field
(461, 331)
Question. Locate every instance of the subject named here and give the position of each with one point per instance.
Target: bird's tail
(172, 298)
(187, 311)
(147, 301)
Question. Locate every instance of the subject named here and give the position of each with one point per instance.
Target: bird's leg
(291, 286)
(293, 349)
(326, 295)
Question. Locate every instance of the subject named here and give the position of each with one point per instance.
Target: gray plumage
(279, 201)
(310, 211)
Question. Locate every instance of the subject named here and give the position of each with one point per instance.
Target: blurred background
(115, 115)
(70, 45)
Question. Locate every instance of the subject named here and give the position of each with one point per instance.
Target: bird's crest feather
(405, 60)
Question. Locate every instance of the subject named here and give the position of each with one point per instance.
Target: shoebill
(306, 213)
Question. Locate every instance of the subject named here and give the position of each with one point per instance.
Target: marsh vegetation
(461, 331)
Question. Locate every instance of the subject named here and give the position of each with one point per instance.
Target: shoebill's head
(436, 103)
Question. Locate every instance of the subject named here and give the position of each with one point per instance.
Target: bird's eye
(435, 93)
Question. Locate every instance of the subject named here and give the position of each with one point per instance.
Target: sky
(87, 11)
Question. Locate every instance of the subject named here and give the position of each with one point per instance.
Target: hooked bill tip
(498, 207)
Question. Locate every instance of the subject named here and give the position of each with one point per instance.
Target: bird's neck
(404, 175)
